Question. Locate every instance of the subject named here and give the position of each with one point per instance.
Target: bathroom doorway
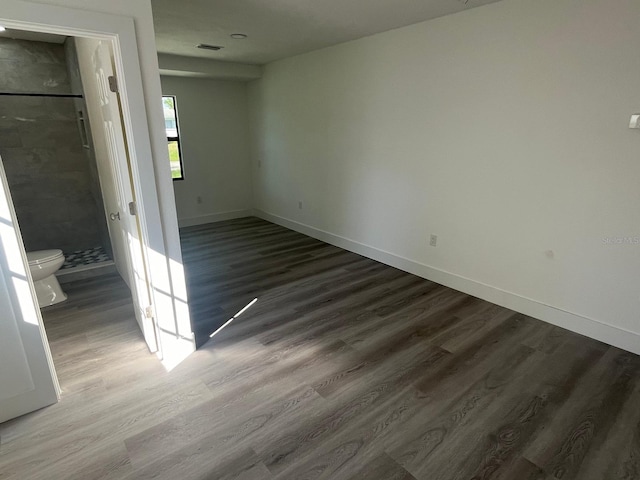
(67, 166)
(49, 155)
(25, 372)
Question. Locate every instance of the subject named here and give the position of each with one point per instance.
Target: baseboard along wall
(589, 327)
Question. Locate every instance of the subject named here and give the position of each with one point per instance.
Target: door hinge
(133, 208)
(148, 312)
(113, 84)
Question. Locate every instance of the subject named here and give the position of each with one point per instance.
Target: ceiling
(281, 28)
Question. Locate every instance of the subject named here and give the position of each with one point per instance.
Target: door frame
(170, 308)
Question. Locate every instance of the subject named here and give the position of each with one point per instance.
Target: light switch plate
(635, 121)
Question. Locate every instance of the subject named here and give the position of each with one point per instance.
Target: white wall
(502, 129)
(214, 137)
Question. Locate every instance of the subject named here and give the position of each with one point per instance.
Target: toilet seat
(43, 256)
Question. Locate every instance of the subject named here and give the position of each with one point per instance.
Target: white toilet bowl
(43, 264)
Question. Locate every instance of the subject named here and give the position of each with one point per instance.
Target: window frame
(176, 138)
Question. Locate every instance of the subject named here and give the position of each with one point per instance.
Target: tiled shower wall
(48, 169)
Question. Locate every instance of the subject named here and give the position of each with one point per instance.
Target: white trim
(589, 327)
(59, 20)
(214, 217)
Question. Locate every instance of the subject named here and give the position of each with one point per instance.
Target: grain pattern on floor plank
(618, 457)
(343, 369)
(428, 447)
(581, 426)
(382, 467)
(523, 469)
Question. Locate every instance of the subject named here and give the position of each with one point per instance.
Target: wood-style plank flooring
(344, 368)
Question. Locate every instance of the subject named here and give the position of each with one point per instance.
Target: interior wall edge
(592, 328)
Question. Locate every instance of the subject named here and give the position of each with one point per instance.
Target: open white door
(115, 177)
(27, 375)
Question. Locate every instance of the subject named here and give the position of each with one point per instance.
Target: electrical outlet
(300, 205)
(433, 240)
(198, 199)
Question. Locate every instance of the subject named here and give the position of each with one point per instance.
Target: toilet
(43, 264)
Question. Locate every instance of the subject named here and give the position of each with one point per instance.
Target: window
(173, 136)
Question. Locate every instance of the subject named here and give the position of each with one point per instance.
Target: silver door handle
(115, 216)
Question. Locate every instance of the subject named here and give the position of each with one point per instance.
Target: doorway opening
(68, 173)
(27, 371)
(49, 156)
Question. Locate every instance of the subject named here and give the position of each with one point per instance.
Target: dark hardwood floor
(343, 368)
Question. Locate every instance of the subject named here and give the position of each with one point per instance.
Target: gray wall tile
(50, 174)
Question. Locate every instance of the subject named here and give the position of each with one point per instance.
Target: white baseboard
(589, 327)
(214, 217)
